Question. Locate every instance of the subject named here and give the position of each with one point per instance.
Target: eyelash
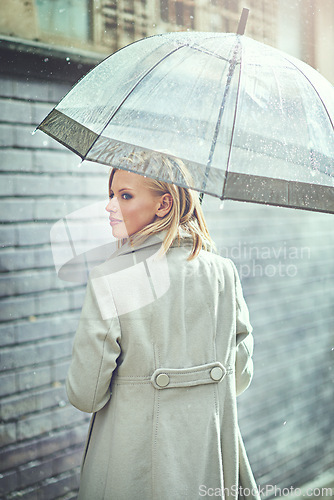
(122, 195)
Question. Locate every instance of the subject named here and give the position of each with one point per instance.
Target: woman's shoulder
(179, 252)
(223, 263)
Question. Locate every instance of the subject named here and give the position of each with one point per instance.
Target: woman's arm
(244, 364)
(244, 340)
(95, 349)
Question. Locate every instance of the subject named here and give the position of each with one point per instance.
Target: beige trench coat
(163, 347)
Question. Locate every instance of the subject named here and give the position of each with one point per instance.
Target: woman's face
(132, 206)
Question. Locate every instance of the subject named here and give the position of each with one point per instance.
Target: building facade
(304, 28)
(107, 25)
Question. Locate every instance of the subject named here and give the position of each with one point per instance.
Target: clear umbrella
(251, 123)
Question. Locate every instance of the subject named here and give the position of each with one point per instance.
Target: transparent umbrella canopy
(250, 123)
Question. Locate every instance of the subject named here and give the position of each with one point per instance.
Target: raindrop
(221, 206)
(61, 11)
(34, 131)
(45, 143)
(68, 58)
(284, 423)
(62, 403)
(46, 59)
(191, 17)
(81, 162)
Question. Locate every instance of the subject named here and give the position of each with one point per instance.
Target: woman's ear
(166, 203)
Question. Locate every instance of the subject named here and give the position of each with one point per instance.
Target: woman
(162, 349)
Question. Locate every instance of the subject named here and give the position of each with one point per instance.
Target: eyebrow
(123, 189)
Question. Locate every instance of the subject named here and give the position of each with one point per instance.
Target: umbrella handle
(243, 21)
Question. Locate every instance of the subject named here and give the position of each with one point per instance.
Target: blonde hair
(186, 212)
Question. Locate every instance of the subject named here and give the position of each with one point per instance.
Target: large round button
(216, 373)
(162, 380)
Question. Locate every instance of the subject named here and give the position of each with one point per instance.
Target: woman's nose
(112, 205)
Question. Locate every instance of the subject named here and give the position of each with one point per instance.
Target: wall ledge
(32, 59)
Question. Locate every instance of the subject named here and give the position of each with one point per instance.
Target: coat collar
(154, 239)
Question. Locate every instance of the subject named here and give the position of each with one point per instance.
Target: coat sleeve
(95, 350)
(244, 340)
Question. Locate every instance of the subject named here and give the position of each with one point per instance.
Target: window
(129, 6)
(232, 5)
(64, 18)
(179, 13)
(189, 16)
(164, 10)
(129, 28)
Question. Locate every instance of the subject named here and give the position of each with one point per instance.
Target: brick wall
(286, 261)
(285, 415)
(42, 435)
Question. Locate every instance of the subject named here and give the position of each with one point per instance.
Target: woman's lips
(113, 222)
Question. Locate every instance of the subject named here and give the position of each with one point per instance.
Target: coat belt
(169, 378)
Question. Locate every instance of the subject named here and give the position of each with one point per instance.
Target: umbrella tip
(243, 21)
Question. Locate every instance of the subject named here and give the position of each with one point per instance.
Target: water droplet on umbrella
(221, 206)
(34, 131)
(284, 423)
(81, 162)
(68, 58)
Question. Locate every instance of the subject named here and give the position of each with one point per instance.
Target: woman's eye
(126, 196)
(111, 195)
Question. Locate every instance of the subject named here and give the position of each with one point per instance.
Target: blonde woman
(162, 349)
